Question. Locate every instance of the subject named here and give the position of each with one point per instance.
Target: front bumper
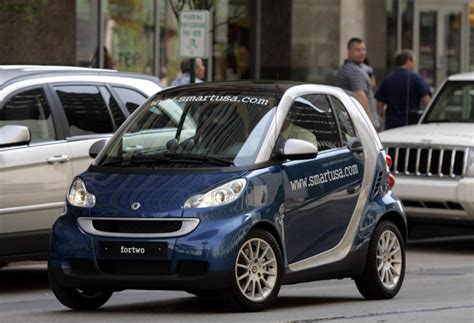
(435, 198)
(201, 260)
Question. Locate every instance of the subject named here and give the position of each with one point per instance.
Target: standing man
(402, 91)
(185, 77)
(351, 76)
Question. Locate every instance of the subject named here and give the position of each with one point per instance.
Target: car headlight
(470, 163)
(221, 195)
(79, 196)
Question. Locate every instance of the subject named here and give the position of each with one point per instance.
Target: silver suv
(49, 117)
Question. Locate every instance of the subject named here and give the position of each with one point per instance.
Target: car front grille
(428, 161)
(128, 226)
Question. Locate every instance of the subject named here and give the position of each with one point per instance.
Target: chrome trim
(407, 158)
(30, 208)
(440, 164)
(465, 161)
(188, 225)
(451, 167)
(428, 163)
(395, 162)
(417, 165)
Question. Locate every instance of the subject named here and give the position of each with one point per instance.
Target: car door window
(31, 109)
(344, 120)
(131, 98)
(117, 113)
(85, 109)
(311, 119)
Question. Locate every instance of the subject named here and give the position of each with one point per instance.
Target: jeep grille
(428, 161)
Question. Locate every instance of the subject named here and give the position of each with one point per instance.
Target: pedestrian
(352, 76)
(404, 92)
(370, 71)
(185, 77)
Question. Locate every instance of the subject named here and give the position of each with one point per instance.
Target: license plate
(124, 249)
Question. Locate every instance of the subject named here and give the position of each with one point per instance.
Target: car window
(455, 103)
(345, 122)
(131, 98)
(117, 113)
(31, 109)
(85, 109)
(311, 119)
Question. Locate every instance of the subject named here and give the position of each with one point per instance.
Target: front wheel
(258, 271)
(79, 299)
(385, 268)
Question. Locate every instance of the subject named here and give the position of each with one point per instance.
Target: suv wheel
(258, 271)
(79, 299)
(385, 268)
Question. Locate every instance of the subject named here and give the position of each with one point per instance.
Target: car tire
(385, 267)
(257, 272)
(79, 299)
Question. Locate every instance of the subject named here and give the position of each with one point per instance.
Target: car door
(34, 178)
(90, 112)
(320, 193)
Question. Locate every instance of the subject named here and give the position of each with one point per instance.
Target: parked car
(433, 160)
(49, 117)
(258, 185)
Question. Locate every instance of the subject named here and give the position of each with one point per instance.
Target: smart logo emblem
(135, 206)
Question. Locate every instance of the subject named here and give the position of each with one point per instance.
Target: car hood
(452, 134)
(158, 195)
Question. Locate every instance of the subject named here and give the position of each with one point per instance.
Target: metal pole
(100, 48)
(157, 56)
(193, 71)
(258, 39)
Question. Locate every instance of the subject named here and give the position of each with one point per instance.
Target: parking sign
(194, 34)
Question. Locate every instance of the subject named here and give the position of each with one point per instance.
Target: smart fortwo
(232, 189)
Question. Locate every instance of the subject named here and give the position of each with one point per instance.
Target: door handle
(58, 159)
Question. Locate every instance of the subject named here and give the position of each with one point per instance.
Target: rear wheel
(79, 299)
(3, 264)
(258, 271)
(385, 268)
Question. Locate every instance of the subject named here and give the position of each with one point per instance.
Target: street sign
(194, 34)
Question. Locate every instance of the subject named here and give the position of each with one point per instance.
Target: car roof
(260, 86)
(14, 73)
(462, 77)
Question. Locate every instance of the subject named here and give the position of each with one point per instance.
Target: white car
(49, 117)
(433, 161)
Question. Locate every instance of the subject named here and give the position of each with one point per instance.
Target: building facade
(302, 40)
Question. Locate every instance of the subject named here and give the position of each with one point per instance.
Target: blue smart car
(235, 189)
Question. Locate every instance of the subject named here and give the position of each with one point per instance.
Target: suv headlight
(221, 195)
(79, 196)
(470, 163)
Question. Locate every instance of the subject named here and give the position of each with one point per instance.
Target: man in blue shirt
(403, 92)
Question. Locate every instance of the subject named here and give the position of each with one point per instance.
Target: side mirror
(295, 149)
(13, 135)
(96, 147)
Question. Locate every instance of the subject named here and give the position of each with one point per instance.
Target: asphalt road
(438, 287)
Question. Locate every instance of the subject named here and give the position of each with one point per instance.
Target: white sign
(194, 34)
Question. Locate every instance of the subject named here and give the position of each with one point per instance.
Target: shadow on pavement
(195, 305)
(18, 279)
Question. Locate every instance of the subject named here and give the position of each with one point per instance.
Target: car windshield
(194, 129)
(455, 103)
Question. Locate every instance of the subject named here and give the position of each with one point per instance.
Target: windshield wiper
(200, 159)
